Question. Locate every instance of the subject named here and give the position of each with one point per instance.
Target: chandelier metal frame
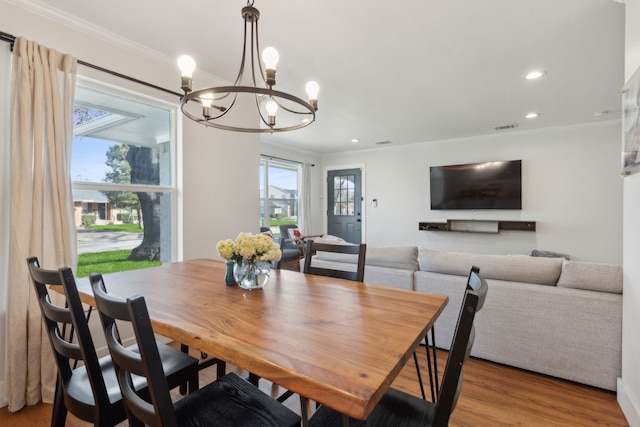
(212, 98)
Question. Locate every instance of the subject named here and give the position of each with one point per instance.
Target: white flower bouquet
(250, 247)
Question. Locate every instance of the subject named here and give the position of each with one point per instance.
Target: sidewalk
(102, 241)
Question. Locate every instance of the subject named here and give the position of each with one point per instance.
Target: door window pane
(344, 195)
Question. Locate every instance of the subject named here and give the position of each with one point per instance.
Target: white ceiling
(401, 71)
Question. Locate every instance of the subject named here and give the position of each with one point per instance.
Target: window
(344, 195)
(278, 193)
(122, 169)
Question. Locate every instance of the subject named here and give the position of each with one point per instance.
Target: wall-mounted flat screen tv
(488, 185)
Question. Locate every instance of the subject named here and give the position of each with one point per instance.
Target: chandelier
(213, 106)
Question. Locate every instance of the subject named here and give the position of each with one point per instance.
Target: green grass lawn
(109, 262)
(127, 228)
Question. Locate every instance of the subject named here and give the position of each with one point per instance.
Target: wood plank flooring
(492, 395)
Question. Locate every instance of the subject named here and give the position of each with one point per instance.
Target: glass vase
(251, 275)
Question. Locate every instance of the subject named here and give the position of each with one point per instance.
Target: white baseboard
(629, 405)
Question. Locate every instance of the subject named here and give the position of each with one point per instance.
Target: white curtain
(41, 207)
(5, 75)
(304, 220)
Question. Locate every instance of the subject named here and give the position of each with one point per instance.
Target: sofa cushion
(373, 274)
(515, 268)
(402, 257)
(591, 276)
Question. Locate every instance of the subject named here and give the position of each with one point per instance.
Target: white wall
(571, 188)
(629, 384)
(220, 169)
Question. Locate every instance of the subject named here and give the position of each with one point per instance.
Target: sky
(88, 159)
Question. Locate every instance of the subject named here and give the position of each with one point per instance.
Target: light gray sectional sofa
(548, 315)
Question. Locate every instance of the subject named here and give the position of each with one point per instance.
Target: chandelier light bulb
(312, 89)
(272, 109)
(187, 65)
(206, 99)
(270, 56)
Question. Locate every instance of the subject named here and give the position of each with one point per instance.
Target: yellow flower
(225, 249)
(250, 247)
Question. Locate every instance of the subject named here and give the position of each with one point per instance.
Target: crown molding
(75, 23)
(78, 24)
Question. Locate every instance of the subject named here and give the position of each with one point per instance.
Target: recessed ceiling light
(532, 115)
(536, 74)
(601, 113)
(355, 140)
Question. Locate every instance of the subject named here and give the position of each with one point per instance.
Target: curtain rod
(283, 159)
(11, 39)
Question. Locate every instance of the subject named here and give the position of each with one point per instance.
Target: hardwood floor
(492, 395)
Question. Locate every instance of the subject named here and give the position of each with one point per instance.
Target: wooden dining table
(338, 342)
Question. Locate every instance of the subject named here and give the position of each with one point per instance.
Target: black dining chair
(432, 361)
(359, 250)
(228, 401)
(397, 408)
(89, 391)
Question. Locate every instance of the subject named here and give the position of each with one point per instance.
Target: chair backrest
(154, 408)
(66, 352)
(359, 250)
(460, 349)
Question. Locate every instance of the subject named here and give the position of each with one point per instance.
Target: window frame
(266, 199)
(174, 189)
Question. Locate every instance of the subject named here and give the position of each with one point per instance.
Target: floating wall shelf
(477, 225)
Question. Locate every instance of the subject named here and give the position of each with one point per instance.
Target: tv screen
(489, 185)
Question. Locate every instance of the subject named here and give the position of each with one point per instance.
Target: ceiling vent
(383, 142)
(505, 127)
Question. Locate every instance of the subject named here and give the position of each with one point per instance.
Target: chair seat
(77, 386)
(291, 254)
(395, 409)
(173, 361)
(176, 364)
(237, 403)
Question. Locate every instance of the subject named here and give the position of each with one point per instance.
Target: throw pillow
(294, 233)
(267, 233)
(591, 276)
(549, 254)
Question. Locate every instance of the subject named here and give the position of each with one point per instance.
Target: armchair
(291, 250)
